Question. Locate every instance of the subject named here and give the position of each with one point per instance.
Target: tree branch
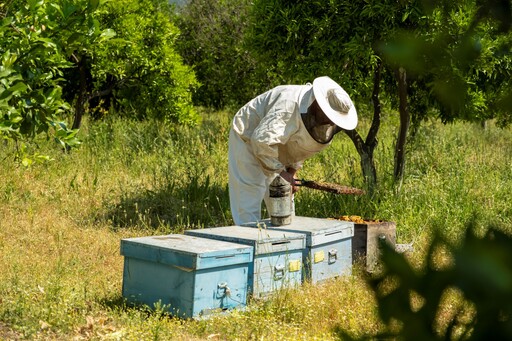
(371, 138)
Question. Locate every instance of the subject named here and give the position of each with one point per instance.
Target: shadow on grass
(114, 302)
(119, 303)
(173, 208)
(198, 202)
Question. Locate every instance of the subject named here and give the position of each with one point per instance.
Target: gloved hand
(289, 175)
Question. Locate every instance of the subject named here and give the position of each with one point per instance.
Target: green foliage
(459, 63)
(141, 70)
(461, 56)
(439, 59)
(478, 269)
(34, 54)
(55, 53)
(212, 41)
(301, 41)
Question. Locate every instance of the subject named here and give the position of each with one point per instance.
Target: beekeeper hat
(335, 102)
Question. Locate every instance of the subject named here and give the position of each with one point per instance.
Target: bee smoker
(280, 198)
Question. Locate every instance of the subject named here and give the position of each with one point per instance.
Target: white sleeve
(274, 129)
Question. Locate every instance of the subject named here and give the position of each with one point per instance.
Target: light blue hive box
(277, 255)
(328, 251)
(193, 277)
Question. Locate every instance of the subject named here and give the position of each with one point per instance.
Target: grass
(61, 223)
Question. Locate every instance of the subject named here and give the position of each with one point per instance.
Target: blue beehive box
(191, 276)
(328, 251)
(277, 255)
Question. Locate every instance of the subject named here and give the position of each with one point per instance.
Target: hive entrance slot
(281, 243)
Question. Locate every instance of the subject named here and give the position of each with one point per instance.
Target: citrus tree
(212, 41)
(463, 58)
(60, 57)
(36, 41)
(139, 72)
(300, 41)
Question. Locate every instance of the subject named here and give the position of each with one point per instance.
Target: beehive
(367, 237)
(328, 251)
(189, 276)
(277, 259)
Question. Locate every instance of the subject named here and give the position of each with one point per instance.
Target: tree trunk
(366, 148)
(405, 120)
(80, 101)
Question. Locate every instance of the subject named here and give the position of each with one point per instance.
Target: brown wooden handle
(329, 187)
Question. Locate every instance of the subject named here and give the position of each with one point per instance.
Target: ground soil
(7, 333)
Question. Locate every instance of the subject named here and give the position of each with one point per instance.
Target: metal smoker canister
(280, 201)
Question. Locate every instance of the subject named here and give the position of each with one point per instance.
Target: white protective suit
(267, 137)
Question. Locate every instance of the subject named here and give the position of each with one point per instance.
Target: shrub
(140, 70)
(212, 40)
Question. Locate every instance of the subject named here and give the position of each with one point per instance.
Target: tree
(311, 38)
(33, 36)
(211, 41)
(462, 59)
(56, 58)
(351, 40)
(140, 73)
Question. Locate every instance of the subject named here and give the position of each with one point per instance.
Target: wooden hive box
(367, 237)
(328, 251)
(277, 259)
(192, 276)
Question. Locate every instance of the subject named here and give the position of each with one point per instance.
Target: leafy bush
(212, 40)
(477, 271)
(140, 69)
(57, 55)
(37, 41)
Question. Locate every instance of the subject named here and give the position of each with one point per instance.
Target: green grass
(61, 223)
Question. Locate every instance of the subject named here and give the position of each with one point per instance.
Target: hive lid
(186, 252)
(263, 240)
(317, 230)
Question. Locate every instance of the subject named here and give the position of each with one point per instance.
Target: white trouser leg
(247, 183)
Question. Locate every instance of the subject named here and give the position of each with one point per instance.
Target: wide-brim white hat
(335, 102)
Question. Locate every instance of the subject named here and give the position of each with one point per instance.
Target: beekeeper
(275, 132)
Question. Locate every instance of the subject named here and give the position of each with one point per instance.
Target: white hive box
(277, 255)
(192, 276)
(328, 251)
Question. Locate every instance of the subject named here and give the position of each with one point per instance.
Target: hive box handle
(333, 256)
(223, 290)
(278, 272)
